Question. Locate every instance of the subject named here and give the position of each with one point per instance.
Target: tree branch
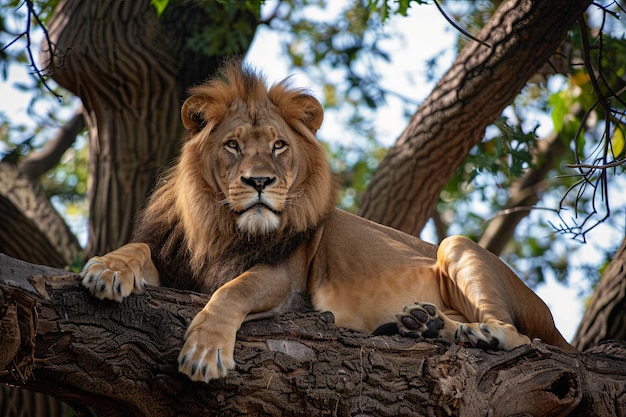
(30, 228)
(121, 358)
(34, 165)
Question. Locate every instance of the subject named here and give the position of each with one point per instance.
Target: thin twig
(601, 167)
(30, 16)
(459, 28)
(40, 74)
(594, 174)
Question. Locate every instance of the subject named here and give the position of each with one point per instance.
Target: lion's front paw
(115, 275)
(425, 320)
(104, 282)
(208, 353)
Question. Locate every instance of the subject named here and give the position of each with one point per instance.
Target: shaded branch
(524, 194)
(30, 228)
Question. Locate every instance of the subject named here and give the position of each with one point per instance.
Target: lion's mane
(191, 232)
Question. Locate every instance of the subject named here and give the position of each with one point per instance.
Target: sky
(425, 33)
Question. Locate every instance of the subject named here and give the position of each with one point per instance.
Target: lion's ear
(313, 112)
(193, 114)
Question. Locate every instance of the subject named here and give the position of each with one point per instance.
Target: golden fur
(248, 216)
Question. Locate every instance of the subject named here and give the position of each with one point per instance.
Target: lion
(248, 216)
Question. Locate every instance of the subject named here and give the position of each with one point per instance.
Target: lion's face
(253, 155)
(259, 163)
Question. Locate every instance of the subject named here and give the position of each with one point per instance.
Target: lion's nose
(258, 183)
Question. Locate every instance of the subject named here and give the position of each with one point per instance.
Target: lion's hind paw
(424, 320)
(477, 335)
(420, 320)
(494, 335)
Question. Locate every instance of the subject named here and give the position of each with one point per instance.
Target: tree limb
(35, 164)
(121, 359)
(30, 228)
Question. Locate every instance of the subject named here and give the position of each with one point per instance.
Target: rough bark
(605, 317)
(130, 68)
(30, 228)
(521, 35)
(121, 359)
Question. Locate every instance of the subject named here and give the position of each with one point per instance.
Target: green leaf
(560, 107)
(617, 141)
(159, 5)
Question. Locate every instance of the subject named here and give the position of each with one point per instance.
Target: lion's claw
(106, 283)
(207, 353)
(117, 274)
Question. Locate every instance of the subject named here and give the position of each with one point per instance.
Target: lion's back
(348, 232)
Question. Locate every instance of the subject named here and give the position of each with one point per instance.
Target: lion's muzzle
(258, 183)
(259, 215)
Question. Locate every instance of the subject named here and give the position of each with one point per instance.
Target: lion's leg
(208, 352)
(118, 273)
(502, 311)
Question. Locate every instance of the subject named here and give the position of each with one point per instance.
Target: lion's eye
(279, 145)
(232, 145)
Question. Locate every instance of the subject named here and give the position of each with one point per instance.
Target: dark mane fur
(172, 258)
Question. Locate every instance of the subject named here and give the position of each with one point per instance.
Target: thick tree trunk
(521, 35)
(121, 359)
(130, 68)
(116, 61)
(605, 317)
